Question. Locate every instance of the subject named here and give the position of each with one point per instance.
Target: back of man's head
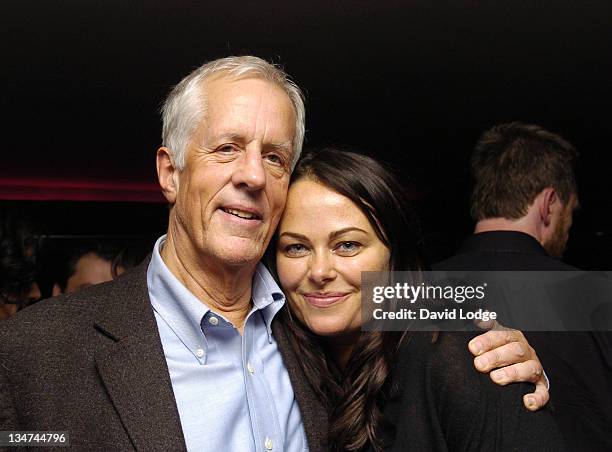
(512, 163)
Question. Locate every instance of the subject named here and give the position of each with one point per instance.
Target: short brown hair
(512, 163)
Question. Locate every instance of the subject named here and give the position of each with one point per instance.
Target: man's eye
(295, 250)
(347, 248)
(227, 149)
(275, 159)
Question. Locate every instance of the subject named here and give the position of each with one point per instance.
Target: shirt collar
(267, 296)
(183, 311)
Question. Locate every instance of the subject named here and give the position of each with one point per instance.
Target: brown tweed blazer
(92, 364)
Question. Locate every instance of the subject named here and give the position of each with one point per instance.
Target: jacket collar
(504, 241)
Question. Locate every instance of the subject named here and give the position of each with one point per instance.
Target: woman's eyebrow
(295, 235)
(339, 232)
(332, 235)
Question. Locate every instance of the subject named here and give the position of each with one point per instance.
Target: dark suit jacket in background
(92, 363)
(577, 363)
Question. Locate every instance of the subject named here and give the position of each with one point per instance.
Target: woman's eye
(347, 248)
(295, 250)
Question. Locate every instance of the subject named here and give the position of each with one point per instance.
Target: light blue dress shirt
(233, 392)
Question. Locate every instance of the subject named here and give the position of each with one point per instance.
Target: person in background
(18, 266)
(87, 263)
(523, 199)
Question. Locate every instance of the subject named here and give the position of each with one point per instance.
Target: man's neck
(504, 224)
(225, 290)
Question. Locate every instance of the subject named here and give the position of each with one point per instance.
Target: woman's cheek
(289, 273)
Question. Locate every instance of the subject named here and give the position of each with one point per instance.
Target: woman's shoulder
(439, 350)
(445, 366)
(458, 406)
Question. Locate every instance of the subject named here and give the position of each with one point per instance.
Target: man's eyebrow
(285, 147)
(229, 136)
(237, 137)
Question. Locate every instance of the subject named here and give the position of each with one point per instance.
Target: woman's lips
(322, 300)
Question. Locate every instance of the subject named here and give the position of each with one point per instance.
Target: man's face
(233, 188)
(90, 269)
(561, 224)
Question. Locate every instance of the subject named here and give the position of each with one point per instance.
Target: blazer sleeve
(8, 412)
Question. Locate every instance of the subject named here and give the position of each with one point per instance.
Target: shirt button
(251, 370)
(199, 352)
(213, 321)
(268, 444)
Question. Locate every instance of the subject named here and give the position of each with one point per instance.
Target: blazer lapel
(132, 366)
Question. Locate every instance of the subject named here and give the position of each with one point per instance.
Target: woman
(345, 214)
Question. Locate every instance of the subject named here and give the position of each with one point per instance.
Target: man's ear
(549, 201)
(167, 174)
(56, 290)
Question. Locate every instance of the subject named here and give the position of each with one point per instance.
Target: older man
(180, 353)
(227, 184)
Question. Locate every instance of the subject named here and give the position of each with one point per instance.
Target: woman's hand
(509, 358)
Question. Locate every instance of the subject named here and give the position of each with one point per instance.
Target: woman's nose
(322, 268)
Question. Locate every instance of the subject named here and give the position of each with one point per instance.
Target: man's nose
(322, 269)
(250, 172)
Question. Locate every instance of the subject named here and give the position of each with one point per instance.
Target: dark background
(413, 83)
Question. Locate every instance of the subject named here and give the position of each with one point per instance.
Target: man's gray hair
(185, 106)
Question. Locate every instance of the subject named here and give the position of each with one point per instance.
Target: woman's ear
(167, 174)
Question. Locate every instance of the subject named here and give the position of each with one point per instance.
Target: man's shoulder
(66, 315)
(501, 250)
(503, 260)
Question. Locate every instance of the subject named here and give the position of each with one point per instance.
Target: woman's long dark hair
(355, 396)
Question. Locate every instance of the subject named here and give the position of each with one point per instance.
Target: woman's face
(324, 243)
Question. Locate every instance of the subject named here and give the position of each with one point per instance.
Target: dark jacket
(577, 363)
(92, 364)
(441, 403)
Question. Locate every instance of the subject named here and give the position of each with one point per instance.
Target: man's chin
(238, 253)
